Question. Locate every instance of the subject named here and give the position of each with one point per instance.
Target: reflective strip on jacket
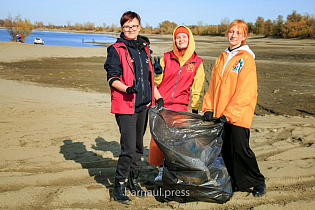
(121, 102)
(233, 94)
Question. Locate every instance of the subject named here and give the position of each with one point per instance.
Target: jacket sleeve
(245, 97)
(208, 99)
(197, 87)
(112, 65)
(159, 77)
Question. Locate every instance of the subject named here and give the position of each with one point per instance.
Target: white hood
(244, 47)
(234, 52)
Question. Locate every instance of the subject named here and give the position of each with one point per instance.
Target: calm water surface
(64, 38)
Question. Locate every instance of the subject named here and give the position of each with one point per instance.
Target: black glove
(221, 119)
(160, 103)
(132, 89)
(195, 111)
(157, 66)
(207, 116)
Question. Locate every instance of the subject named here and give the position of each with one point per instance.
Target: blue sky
(152, 12)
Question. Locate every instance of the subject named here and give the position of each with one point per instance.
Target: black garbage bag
(193, 166)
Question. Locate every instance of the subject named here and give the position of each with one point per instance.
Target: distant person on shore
(131, 78)
(231, 98)
(178, 75)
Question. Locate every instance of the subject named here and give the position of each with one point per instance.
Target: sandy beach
(60, 143)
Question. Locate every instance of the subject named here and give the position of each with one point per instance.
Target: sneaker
(259, 190)
(159, 177)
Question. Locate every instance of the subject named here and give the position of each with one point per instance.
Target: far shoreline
(154, 36)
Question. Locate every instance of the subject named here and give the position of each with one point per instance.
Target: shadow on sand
(103, 169)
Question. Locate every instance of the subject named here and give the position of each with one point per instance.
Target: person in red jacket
(131, 79)
(231, 99)
(178, 75)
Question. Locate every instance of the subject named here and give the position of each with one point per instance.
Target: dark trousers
(239, 159)
(132, 128)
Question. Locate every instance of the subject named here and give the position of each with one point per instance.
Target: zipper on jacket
(134, 75)
(130, 64)
(141, 75)
(180, 70)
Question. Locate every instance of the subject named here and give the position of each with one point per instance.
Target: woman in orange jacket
(231, 99)
(178, 75)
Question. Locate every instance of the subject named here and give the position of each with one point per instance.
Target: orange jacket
(233, 94)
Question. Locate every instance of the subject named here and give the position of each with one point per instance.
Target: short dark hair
(128, 16)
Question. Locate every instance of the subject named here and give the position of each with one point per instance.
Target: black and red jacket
(129, 60)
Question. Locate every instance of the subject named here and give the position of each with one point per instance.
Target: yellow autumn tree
(18, 26)
(167, 27)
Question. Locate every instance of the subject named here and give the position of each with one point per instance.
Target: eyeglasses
(127, 28)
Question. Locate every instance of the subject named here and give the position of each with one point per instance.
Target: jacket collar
(140, 43)
(191, 59)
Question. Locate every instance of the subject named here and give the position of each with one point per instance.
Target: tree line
(295, 26)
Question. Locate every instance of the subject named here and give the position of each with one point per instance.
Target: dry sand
(59, 148)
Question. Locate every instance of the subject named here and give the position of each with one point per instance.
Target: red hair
(242, 27)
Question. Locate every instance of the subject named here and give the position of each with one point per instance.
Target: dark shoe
(248, 190)
(133, 185)
(259, 190)
(119, 193)
(236, 189)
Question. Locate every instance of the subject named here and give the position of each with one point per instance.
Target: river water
(64, 38)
